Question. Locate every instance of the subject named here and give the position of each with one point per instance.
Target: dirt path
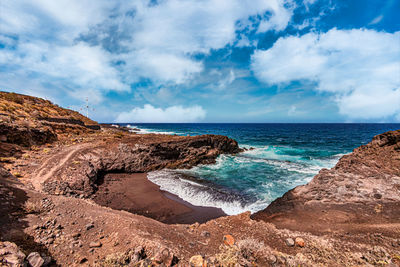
(52, 164)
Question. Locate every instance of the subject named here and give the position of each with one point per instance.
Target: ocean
(284, 156)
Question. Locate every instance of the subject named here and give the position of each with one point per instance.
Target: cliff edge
(363, 188)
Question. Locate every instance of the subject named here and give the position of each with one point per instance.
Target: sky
(207, 60)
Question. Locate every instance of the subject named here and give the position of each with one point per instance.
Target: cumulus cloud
(163, 48)
(80, 67)
(360, 67)
(172, 114)
(108, 45)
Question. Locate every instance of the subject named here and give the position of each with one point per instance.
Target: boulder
(35, 260)
(10, 254)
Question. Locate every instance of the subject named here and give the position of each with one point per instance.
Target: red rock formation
(364, 183)
(82, 165)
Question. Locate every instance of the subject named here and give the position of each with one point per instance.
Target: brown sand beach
(136, 194)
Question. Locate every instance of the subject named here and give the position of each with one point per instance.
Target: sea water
(282, 156)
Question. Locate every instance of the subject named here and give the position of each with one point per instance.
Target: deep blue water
(285, 155)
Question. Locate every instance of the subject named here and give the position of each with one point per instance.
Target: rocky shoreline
(55, 181)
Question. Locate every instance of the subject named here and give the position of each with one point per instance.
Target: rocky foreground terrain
(54, 160)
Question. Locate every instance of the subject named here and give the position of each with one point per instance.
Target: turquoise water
(284, 156)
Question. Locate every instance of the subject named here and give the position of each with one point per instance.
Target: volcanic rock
(10, 254)
(347, 192)
(35, 260)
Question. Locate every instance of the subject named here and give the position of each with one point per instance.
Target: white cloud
(376, 20)
(85, 69)
(165, 37)
(360, 67)
(157, 42)
(223, 83)
(52, 19)
(172, 114)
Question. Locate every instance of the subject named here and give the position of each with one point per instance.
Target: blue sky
(207, 60)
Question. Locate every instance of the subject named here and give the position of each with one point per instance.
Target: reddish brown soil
(136, 194)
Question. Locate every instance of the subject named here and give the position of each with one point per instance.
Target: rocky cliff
(26, 121)
(83, 165)
(362, 186)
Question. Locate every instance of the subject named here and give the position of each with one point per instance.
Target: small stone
(89, 226)
(196, 261)
(91, 250)
(76, 236)
(299, 241)
(229, 240)
(289, 242)
(212, 261)
(164, 257)
(77, 243)
(47, 260)
(138, 254)
(35, 260)
(272, 259)
(95, 244)
(205, 234)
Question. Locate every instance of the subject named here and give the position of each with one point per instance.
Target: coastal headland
(75, 193)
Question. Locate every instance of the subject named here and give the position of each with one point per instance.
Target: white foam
(149, 131)
(195, 193)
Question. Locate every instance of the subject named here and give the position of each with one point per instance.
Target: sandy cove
(136, 194)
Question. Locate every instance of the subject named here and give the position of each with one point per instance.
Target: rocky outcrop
(17, 107)
(86, 164)
(26, 121)
(11, 255)
(363, 183)
(26, 136)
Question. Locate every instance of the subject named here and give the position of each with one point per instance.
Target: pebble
(289, 242)
(76, 236)
(89, 226)
(196, 261)
(299, 241)
(164, 257)
(205, 234)
(138, 254)
(229, 240)
(272, 259)
(95, 244)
